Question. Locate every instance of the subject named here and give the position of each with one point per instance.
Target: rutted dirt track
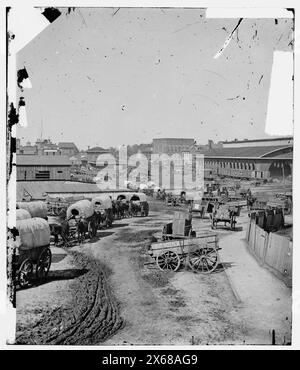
(90, 317)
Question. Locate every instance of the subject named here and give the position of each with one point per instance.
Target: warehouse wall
(30, 173)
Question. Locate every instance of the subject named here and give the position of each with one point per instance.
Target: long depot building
(259, 159)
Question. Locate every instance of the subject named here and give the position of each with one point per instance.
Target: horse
(60, 229)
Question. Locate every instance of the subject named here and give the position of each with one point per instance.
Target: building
(172, 145)
(43, 167)
(93, 153)
(257, 159)
(27, 149)
(46, 147)
(68, 149)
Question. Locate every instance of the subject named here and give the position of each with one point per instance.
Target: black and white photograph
(149, 176)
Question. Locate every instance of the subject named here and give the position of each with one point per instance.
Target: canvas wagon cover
(83, 207)
(104, 200)
(22, 214)
(34, 232)
(36, 209)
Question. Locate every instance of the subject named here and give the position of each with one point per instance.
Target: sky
(106, 79)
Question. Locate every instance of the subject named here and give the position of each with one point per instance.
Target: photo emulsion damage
(150, 165)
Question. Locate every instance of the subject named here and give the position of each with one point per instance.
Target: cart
(103, 211)
(225, 213)
(199, 253)
(179, 228)
(200, 207)
(34, 256)
(140, 204)
(83, 213)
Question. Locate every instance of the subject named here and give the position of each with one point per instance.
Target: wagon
(103, 209)
(199, 253)
(225, 213)
(34, 254)
(179, 228)
(35, 208)
(83, 209)
(200, 207)
(140, 204)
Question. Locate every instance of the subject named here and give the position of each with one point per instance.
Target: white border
(146, 3)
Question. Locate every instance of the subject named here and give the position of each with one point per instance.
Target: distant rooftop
(251, 151)
(67, 145)
(97, 149)
(42, 160)
(259, 140)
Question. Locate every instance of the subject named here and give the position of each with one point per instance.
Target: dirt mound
(91, 317)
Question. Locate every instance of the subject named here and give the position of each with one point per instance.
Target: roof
(40, 189)
(174, 138)
(258, 140)
(284, 155)
(251, 151)
(67, 145)
(97, 149)
(42, 160)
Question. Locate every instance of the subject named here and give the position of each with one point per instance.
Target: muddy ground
(107, 291)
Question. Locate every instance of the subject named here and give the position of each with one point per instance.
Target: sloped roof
(251, 151)
(97, 149)
(42, 160)
(67, 145)
(39, 189)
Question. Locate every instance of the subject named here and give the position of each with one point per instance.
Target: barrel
(83, 208)
(36, 209)
(34, 232)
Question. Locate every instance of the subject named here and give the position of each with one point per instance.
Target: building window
(59, 171)
(42, 175)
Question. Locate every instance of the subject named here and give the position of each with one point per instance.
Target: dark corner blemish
(291, 10)
(13, 118)
(21, 75)
(51, 14)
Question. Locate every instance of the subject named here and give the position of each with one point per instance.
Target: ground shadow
(118, 225)
(56, 275)
(239, 228)
(224, 265)
(100, 235)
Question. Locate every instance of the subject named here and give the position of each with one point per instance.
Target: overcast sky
(99, 79)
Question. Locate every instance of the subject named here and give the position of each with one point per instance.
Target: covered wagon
(36, 208)
(22, 214)
(34, 254)
(139, 204)
(83, 213)
(103, 209)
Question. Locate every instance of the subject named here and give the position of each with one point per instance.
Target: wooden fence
(271, 250)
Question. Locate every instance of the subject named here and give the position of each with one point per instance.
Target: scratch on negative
(227, 41)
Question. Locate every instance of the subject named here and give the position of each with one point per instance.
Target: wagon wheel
(204, 259)
(43, 264)
(25, 273)
(168, 260)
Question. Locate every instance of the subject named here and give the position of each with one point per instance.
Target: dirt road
(121, 299)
